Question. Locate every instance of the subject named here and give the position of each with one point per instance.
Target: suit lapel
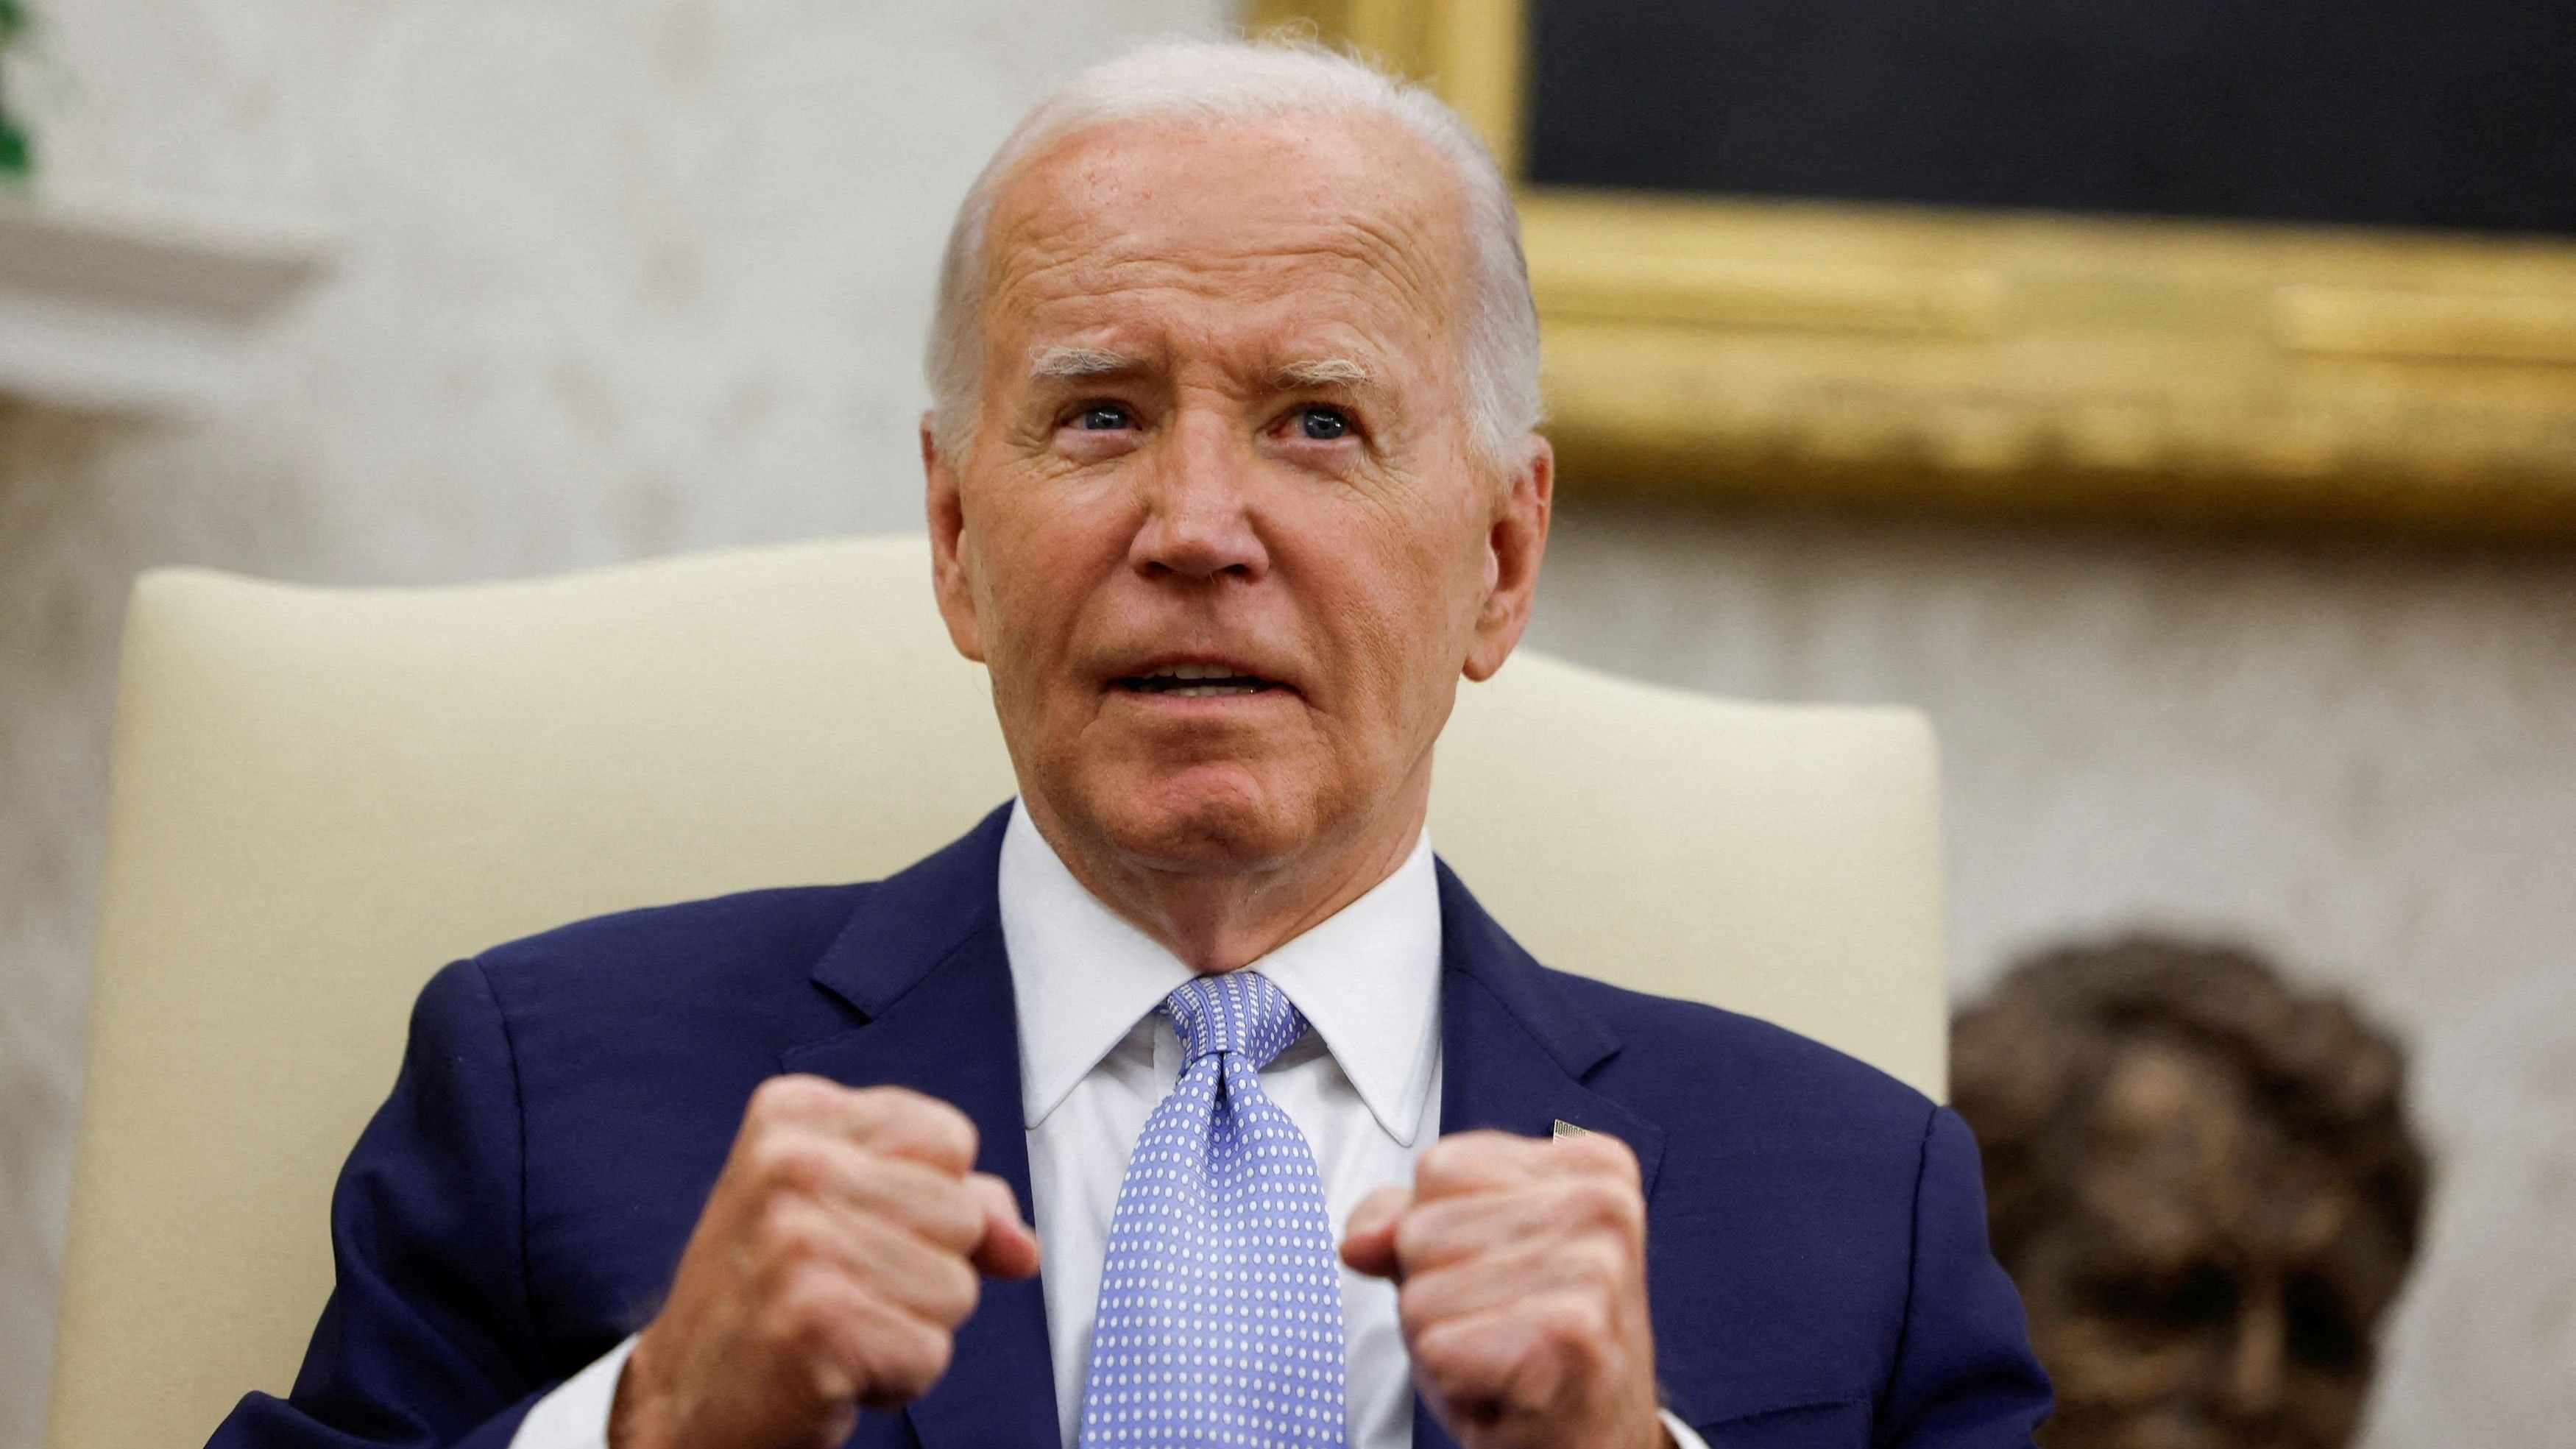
(923, 963)
(1515, 1051)
(1515, 1056)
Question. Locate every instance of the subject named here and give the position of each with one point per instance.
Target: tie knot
(1239, 1012)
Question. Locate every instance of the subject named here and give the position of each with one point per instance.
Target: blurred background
(473, 288)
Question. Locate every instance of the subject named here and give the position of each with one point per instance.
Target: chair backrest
(322, 795)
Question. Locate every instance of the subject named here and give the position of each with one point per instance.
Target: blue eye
(1322, 424)
(1104, 418)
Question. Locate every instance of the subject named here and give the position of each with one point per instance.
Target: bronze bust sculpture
(2204, 1183)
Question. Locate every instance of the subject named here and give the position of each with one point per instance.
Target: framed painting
(2297, 265)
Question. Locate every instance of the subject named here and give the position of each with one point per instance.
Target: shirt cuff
(1683, 1437)
(575, 1415)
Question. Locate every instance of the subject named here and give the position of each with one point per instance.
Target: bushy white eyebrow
(1323, 372)
(1056, 363)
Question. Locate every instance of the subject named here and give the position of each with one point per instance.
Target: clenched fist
(840, 1248)
(1521, 1265)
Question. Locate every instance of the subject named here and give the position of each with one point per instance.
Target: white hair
(1218, 81)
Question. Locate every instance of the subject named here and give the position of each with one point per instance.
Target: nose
(1198, 509)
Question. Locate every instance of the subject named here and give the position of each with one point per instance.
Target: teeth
(1198, 681)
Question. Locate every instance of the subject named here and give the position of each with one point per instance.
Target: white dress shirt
(1096, 1059)
(1363, 1085)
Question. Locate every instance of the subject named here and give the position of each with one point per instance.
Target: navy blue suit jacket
(1817, 1257)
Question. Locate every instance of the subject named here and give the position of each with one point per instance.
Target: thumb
(1368, 1242)
(1008, 1248)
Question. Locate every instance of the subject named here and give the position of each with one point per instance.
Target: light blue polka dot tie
(1220, 1318)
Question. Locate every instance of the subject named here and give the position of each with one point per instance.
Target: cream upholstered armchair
(323, 795)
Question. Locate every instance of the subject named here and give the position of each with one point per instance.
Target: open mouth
(1197, 681)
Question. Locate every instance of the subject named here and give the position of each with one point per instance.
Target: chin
(1212, 819)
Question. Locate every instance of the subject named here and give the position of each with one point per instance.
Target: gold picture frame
(2024, 363)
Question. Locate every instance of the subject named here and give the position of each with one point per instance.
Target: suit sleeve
(426, 1340)
(1964, 1376)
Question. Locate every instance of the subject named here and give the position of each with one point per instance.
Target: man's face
(1221, 534)
(2217, 1281)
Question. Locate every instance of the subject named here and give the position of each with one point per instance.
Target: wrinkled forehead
(1330, 224)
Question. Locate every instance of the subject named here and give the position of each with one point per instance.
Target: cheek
(1424, 540)
(1384, 601)
(1403, 650)
(1047, 545)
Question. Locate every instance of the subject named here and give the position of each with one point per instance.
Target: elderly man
(1188, 1099)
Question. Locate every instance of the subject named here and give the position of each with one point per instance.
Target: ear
(1514, 543)
(949, 548)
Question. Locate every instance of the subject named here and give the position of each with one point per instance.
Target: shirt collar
(1367, 979)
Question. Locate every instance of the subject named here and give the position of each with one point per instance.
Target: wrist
(636, 1416)
(1672, 1433)
(1658, 1429)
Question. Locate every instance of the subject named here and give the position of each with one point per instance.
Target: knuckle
(1603, 1261)
(1454, 1158)
(810, 1317)
(937, 1350)
(907, 1116)
(1448, 1357)
(1415, 1305)
(1624, 1157)
(1604, 1202)
(1434, 1347)
(889, 1104)
(790, 1162)
(1419, 1235)
(952, 1129)
(786, 1096)
(1599, 1149)
(1574, 1320)
(912, 1360)
(826, 1381)
(791, 1238)
(952, 1215)
(807, 1314)
(957, 1290)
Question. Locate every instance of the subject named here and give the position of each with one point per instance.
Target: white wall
(626, 276)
